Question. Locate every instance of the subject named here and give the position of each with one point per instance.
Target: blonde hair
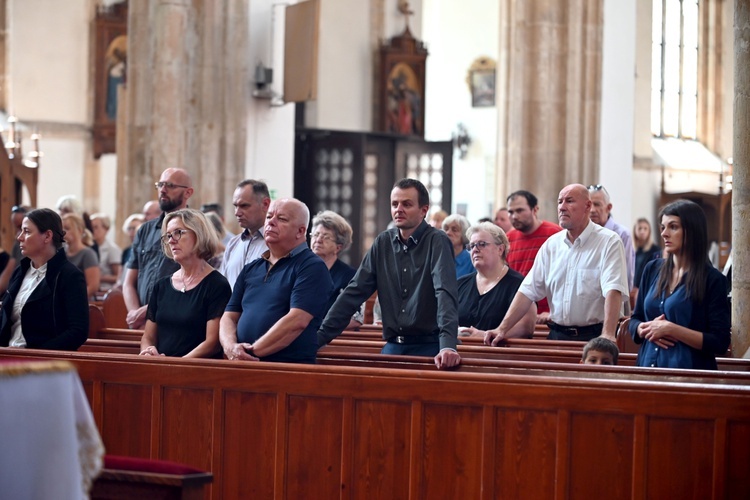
(497, 233)
(86, 236)
(132, 218)
(106, 221)
(206, 241)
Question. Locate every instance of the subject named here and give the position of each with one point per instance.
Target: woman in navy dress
(682, 316)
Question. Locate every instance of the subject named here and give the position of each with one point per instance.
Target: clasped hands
(240, 352)
(657, 331)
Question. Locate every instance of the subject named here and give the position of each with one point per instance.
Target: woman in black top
(46, 305)
(185, 308)
(484, 296)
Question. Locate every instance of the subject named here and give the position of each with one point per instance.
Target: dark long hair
(694, 250)
(48, 220)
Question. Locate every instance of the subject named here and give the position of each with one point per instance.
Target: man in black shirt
(412, 268)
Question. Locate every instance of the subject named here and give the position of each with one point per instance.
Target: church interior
(331, 101)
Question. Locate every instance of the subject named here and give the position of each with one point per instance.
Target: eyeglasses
(168, 185)
(479, 244)
(17, 209)
(175, 235)
(595, 187)
(322, 236)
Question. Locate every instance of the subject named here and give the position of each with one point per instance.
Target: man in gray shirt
(412, 268)
(251, 200)
(147, 262)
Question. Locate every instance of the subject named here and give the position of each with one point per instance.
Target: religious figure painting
(404, 96)
(115, 60)
(110, 27)
(483, 88)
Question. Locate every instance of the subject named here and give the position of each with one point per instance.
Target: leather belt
(575, 331)
(414, 339)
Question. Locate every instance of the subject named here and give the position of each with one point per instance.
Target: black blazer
(56, 314)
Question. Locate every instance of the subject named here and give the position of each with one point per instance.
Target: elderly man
(581, 272)
(250, 200)
(278, 300)
(601, 213)
(147, 262)
(151, 210)
(411, 267)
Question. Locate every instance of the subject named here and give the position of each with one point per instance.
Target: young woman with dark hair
(46, 306)
(682, 316)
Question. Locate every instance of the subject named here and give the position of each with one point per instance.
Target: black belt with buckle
(575, 331)
(414, 339)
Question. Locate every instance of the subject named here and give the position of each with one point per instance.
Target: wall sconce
(263, 90)
(13, 144)
(462, 141)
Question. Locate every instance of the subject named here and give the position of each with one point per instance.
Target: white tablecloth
(49, 444)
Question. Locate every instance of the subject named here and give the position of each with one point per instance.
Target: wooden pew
(126, 477)
(309, 431)
(115, 310)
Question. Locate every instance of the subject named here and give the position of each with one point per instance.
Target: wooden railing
(303, 431)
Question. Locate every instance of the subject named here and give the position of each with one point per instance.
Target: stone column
(188, 89)
(741, 182)
(549, 93)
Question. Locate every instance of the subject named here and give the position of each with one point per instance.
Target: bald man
(151, 210)
(581, 271)
(279, 300)
(147, 262)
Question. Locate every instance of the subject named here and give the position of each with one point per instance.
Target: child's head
(600, 351)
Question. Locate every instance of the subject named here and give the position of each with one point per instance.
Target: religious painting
(400, 78)
(404, 101)
(110, 68)
(114, 61)
(481, 80)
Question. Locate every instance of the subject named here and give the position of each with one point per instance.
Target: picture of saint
(404, 101)
(115, 64)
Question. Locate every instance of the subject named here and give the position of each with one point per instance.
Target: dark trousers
(430, 349)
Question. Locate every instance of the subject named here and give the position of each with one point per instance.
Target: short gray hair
(336, 223)
(463, 225)
(498, 235)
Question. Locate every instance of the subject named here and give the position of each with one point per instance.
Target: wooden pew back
(275, 430)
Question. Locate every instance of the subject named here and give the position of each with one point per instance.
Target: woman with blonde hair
(109, 253)
(645, 251)
(185, 308)
(79, 240)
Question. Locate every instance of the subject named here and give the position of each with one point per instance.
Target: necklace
(187, 282)
(492, 283)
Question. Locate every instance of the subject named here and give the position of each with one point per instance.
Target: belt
(575, 331)
(414, 339)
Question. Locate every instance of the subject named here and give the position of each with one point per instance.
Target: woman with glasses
(682, 316)
(331, 234)
(46, 305)
(484, 296)
(185, 308)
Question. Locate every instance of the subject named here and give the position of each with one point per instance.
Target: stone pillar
(188, 89)
(549, 94)
(741, 182)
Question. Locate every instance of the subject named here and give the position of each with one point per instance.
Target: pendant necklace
(187, 282)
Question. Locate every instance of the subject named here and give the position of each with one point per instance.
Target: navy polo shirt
(263, 294)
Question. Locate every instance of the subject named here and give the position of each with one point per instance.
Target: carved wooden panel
(126, 420)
